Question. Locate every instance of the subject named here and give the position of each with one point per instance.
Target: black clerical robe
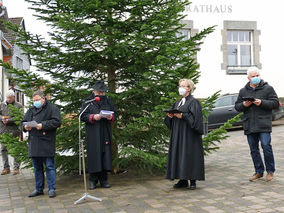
(186, 154)
(99, 135)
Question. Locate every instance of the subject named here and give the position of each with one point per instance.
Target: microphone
(96, 99)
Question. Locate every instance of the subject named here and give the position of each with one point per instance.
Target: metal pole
(82, 153)
(80, 140)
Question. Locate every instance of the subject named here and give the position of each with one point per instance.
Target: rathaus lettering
(209, 8)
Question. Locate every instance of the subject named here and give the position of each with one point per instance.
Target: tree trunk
(112, 89)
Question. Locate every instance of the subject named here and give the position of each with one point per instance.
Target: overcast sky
(19, 8)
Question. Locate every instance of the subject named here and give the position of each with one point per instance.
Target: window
(19, 63)
(187, 31)
(17, 96)
(184, 33)
(20, 97)
(235, 98)
(23, 100)
(240, 46)
(223, 101)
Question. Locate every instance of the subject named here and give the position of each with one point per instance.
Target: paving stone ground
(226, 188)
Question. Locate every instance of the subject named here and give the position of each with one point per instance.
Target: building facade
(11, 53)
(5, 53)
(247, 33)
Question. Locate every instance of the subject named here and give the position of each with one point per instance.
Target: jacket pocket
(246, 124)
(264, 122)
(46, 145)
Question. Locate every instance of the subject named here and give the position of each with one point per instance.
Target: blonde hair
(189, 83)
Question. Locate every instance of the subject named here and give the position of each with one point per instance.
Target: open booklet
(30, 123)
(106, 113)
(172, 111)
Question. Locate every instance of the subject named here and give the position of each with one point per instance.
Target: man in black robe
(99, 135)
(186, 155)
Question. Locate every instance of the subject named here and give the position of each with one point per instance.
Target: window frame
(229, 97)
(20, 62)
(255, 48)
(239, 43)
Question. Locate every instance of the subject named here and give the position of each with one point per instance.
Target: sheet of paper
(106, 113)
(30, 123)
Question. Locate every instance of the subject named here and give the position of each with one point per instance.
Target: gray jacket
(258, 118)
(10, 127)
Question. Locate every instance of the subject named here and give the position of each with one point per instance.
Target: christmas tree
(135, 46)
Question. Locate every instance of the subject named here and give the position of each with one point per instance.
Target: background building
(10, 52)
(248, 33)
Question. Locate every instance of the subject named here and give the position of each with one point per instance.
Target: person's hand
(247, 103)
(5, 120)
(170, 115)
(109, 117)
(97, 117)
(257, 102)
(178, 115)
(39, 126)
(28, 128)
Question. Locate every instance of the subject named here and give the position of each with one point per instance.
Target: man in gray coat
(257, 100)
(7, 125)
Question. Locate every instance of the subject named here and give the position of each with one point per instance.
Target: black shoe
(192, 185)
(181, 184)
(105, 184)
(93, 185)
(35, 193)
(52, 193)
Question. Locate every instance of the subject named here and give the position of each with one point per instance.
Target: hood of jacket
(260, 86)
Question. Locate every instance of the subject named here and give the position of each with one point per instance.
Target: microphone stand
(82, 156)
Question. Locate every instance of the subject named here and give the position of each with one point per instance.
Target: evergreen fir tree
(131, 44)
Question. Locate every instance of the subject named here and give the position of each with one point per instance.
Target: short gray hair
(39, 93)
(10, 93)
(252, 69)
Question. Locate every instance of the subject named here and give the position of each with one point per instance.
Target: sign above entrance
(209, 8)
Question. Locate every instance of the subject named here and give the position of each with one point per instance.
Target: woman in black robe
(186, 155)
(99, 135)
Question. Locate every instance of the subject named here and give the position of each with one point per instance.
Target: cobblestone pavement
(226, 188)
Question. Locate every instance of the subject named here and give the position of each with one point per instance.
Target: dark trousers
(38, 163)
(5, 158)
(98, 176)
(265, 139)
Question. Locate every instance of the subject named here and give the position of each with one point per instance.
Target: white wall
(268, 16)
(17, 52)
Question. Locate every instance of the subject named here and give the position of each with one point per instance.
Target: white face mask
(182, 91)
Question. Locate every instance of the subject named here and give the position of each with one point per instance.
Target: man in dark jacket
(42, 136)
(257, 100)
(99, 134)
(7, 125)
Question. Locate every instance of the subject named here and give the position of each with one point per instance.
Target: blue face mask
(37, 104)
(255, 80)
